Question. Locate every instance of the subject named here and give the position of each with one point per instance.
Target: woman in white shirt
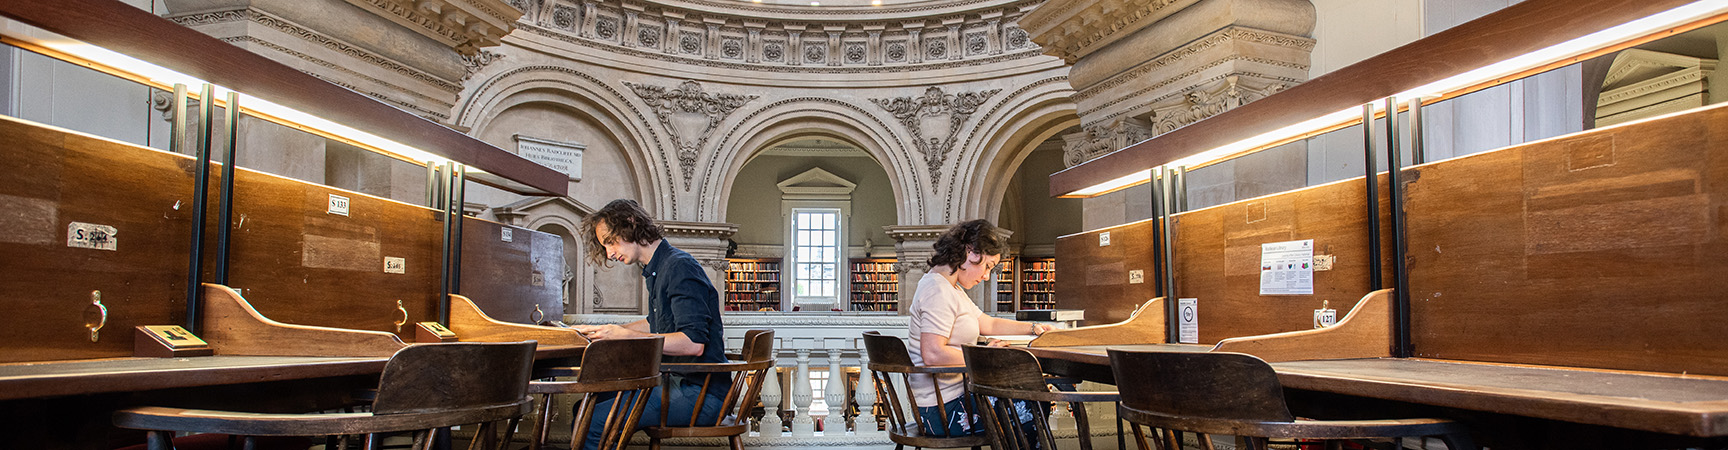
(944, 318)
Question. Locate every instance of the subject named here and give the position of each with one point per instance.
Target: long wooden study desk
(1688, 405)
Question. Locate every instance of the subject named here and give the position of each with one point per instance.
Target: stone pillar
(802, 424)
(913, 245)
(669, 42)
(704, 241)
(834, 391)
(586, 29)
(993, 34)
(914, 43)
(753, 48)
(956, 48)
(865, 395)
(795, 44)
(873, 49)
(771, 423)
(712, 48)
(836, 55)
(628, 39)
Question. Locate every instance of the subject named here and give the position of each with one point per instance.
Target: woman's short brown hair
(626, 220)
(977, 236)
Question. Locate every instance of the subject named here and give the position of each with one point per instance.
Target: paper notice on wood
(1287, 268)
(1188, 321)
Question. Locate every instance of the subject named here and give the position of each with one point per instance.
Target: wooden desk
(1656, 402)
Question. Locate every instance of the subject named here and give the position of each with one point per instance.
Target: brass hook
(537, 312)
(404, 312)
(96, 318)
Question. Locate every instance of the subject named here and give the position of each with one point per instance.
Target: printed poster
(1287, 268)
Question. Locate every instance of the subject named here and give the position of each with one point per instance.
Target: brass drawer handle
(404, 319)
(95, 315)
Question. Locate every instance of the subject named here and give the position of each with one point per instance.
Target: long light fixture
(137, 70)
(1460, 84)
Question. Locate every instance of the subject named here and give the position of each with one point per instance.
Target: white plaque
(338, 205)
(506, 235)
(1104, 239)
(92, 236)
(395, 265)
(564, 157)
(1287, 268)
(1136, 276)
(1188, 321)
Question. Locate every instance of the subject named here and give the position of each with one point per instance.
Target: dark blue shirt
(681, 299)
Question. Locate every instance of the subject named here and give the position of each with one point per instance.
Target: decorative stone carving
(773, 51)
(1098, 140)
(854, 53)
(1207, 101)
(1072, 29)
(1018, 38)
(648, 36)
(936, 48)
(732, 48)
(815, 52)
(935, 120)
(465, 25)
(605, 28)
(976, 44)
(896, 52)
(563, 17)
(478, 61)
(689, 42)
(906, 266)
(689, 116)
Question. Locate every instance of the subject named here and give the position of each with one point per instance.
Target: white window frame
(838, 260)
(816, 189)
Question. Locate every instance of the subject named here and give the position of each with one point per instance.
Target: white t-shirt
(941, 308)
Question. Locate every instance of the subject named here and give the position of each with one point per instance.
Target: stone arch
(803, 117)
(581, 94)
(1022, 121)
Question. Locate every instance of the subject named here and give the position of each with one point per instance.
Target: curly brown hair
(626, 220)
(977, 236)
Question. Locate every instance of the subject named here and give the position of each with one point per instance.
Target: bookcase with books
(1037, 283)
(1005, 285)
(875, 285)
(753, 284)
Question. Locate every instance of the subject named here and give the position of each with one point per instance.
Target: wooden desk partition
(1095, 278)
(1604, 249)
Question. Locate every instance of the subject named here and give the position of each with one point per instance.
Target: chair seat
(728, 427)
(916, 438)
(1298, 429)
(267, 424)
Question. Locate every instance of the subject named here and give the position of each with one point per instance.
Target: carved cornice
(293, 29)
(347, 73)
(477, 62)
(679, 107)
(1077, 27)
(464, 25)
(1221, 37)
(713, 230)
(955, 109)
(903, 233)
(765, 11)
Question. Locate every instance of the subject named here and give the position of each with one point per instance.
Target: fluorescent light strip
(1595, 41)
(165, 77)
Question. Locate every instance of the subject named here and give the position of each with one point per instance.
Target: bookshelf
(1005, 286)
(1037, 283)
(753, 284)
(875, 285)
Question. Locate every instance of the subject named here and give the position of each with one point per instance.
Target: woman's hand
(995, 343)
(1038, 329)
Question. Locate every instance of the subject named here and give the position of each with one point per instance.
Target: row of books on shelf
(759, 266)
(752, 306)
(873, 277)
(753, 297)
(872, 267)
(753, 276)
(884, 306)
(1038, 276)
(875, 287)
(871, 297)
(1039, 265)
(747, 286)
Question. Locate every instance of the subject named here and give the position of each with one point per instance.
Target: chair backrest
(1227, 386)
(891, 365)
(621, 359)
(1004, 367)
(747, 377)
(439, 377)
(1002, 376)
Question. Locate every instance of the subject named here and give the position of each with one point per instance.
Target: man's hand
(602, 332)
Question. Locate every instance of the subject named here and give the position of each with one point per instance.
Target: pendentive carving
(689, 115)
(1207, 101)
(935, 120)
(1097, 140)
(477, 62)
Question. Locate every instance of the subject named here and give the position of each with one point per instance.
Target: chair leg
(509, 433)
(1139, 438)
(372, 442)
(654, 443)
(160, 440)
(1458, 441)
(737, 442)
(1205, 440)
(542, 426)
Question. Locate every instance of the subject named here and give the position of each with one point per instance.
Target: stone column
(994, 37)
(704, 241)
(914, 43)
(712, 49)
(753, 44)
(628, 39)
(835, 54)
(586, 29)
(873, 49)
(956, 47)
(913, 245)
(669, 42)
(795, 44)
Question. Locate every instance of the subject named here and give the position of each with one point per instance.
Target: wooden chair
(423, 387)
(737, 402)
(627, 368)
(1239, 394)
(1000, 375)
(893, 370)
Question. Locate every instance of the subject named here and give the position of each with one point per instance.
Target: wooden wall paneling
(1095, 278)
(53, 178)
(1603, 249)
(507, 279)
(1218, 257)
(297, 263)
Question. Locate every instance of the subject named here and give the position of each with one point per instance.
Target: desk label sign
(1325, 317)
(92, 236)
(338, 205)
(1188, 321)
(168, 341)
(433, 332)
(1104, 239)
(506, 235)
(394, 264)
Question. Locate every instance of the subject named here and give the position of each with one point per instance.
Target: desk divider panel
(1218, 257)
(1604, 249)
(1095, 278)
(54, 178)
(293, 261)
